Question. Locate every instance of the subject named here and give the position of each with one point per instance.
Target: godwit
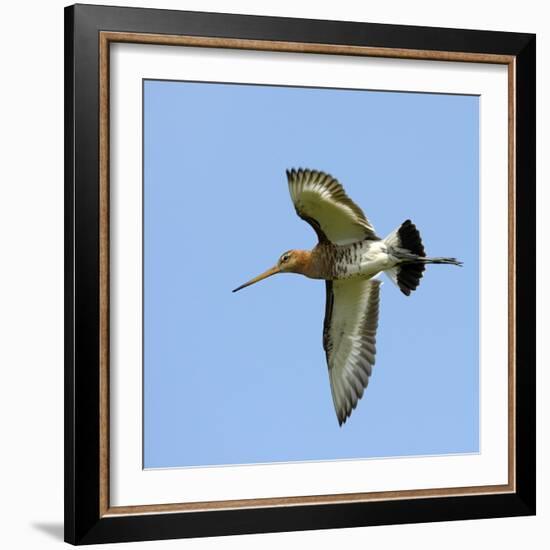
(348, 255)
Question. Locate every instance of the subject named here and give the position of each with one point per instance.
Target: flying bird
(348, 256)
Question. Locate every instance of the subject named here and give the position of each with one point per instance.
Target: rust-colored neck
(313, 263)
(301, 262)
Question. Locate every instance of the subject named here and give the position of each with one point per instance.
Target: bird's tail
(405, 244)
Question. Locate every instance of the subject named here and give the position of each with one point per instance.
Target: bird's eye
(285, 257)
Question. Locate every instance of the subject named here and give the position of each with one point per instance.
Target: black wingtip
(293, 174)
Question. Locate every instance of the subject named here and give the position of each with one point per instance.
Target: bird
(349, 256)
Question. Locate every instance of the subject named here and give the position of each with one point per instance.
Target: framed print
(368, 194)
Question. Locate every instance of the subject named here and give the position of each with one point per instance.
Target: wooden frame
(89, 517)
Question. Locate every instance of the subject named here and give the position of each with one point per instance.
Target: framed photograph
(369, 191)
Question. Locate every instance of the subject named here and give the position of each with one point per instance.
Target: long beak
(272, 271)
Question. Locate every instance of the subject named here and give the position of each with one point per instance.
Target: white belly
(370, 260)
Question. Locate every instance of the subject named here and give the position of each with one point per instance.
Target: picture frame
(90, 33)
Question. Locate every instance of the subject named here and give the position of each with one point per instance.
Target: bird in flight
(348, 256)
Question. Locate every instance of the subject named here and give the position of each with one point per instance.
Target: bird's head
(291, 261)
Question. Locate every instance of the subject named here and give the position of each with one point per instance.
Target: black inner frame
(83, 524)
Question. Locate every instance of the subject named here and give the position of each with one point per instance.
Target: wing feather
(349, 339)
(321, 201)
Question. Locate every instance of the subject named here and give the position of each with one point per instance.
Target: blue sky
(241, 378)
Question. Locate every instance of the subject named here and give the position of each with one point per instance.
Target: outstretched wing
(321, 201)
(349, 339)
